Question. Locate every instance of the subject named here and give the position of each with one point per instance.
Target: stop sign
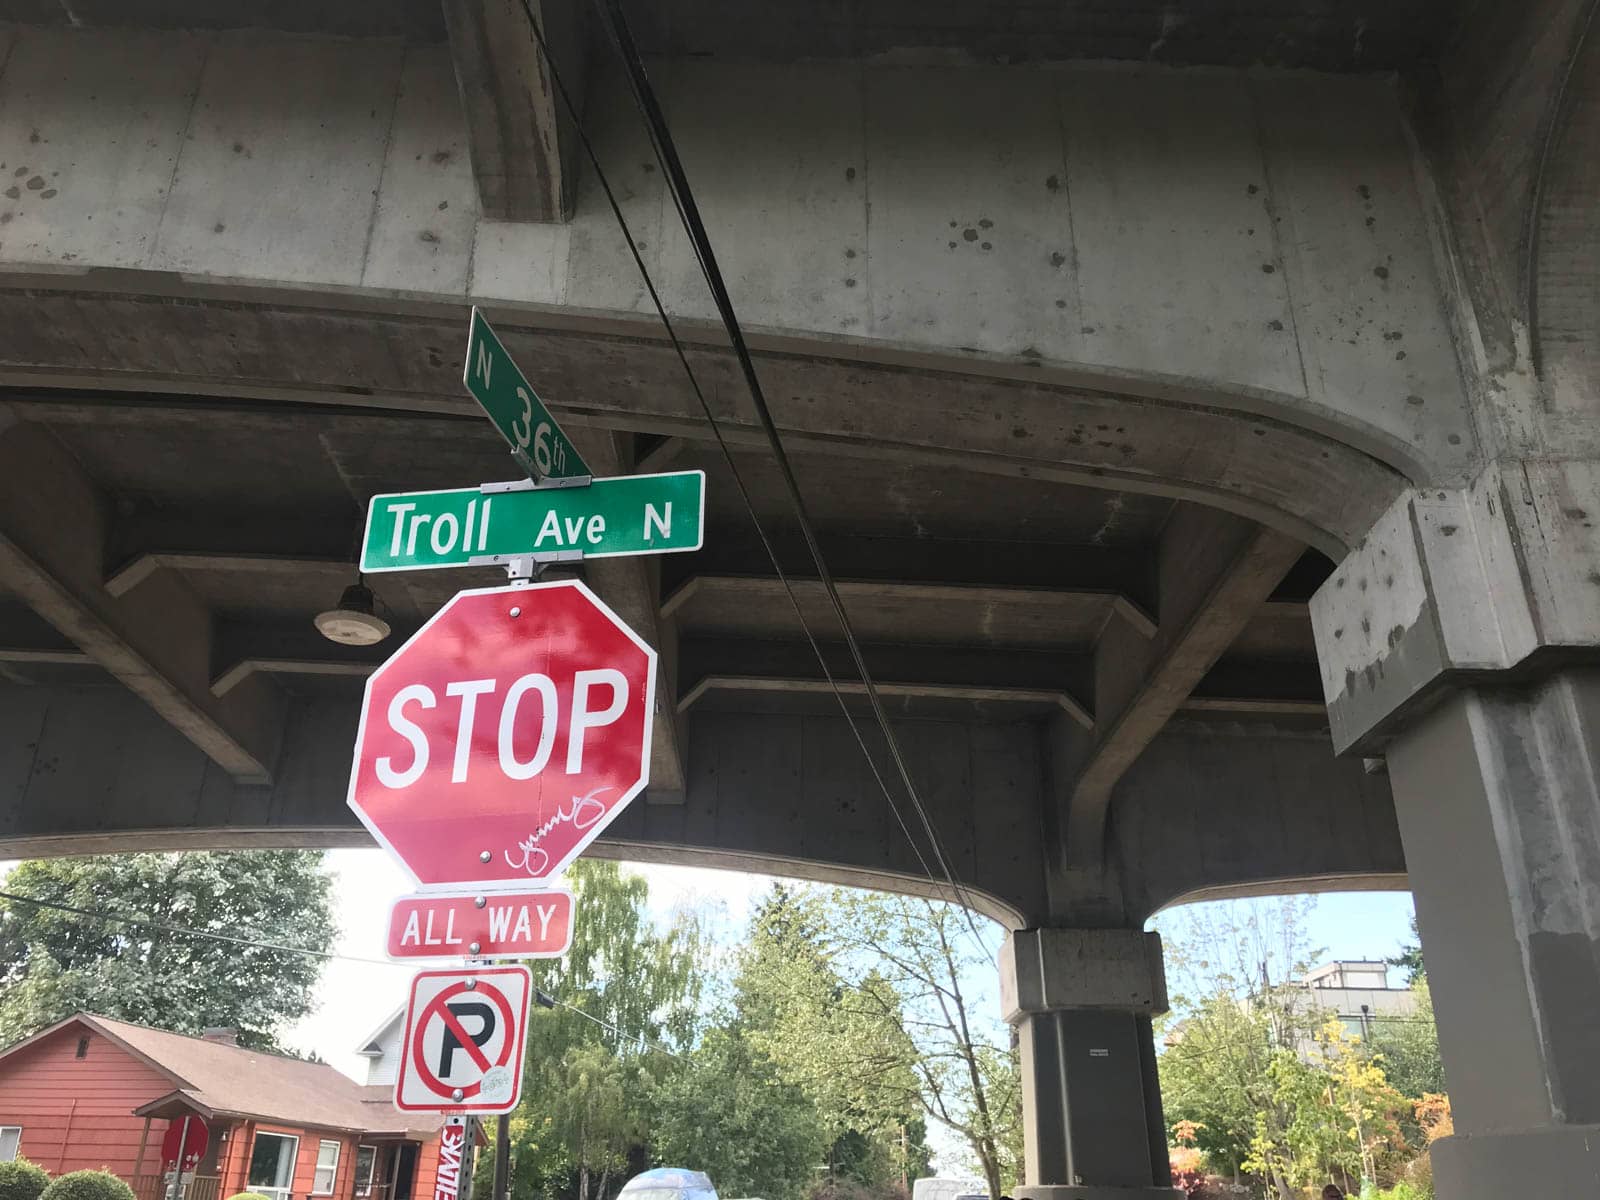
(505, 735)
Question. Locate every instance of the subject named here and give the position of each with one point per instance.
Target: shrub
(22, 1180)
(87, 1185)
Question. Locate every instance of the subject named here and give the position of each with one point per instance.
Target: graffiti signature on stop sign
(580, 811)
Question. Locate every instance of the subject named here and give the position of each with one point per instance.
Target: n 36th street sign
(628, 514)
(515, 408)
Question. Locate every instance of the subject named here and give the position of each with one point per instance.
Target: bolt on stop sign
(503, 737)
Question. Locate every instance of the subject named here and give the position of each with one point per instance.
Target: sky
(355, 998)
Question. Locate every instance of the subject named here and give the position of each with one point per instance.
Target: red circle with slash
(439, 1007)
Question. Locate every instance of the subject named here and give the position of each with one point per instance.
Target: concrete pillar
(1081, 1001)
(1498, 798)
(1461, 641)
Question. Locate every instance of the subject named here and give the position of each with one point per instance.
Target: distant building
(1358, 993)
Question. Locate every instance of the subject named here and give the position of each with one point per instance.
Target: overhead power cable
(284, 948)
(683, 200)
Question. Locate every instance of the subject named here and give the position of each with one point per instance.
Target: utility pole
(502, 1157)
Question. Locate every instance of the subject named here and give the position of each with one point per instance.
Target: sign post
(502, 738)
(514, 408)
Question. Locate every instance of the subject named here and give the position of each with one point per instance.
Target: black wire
(688, 213)
(537, 34)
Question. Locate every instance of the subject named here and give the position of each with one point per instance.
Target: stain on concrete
(1363, 191)
(441, 156)
(985, 223)
(988, 245)
(1251, 189)
(218, 227)
(1057, 258)
(1061, 303)
(1415, 400)
(1567, 982)
(849, 283)
(1267, 268)
(429, 236)
(849, 174)
(849, 253)
(1454, 439)
(1031, 352)
(1449, 530)
(443, 204)
(20, 172)
(1275, 325)
(1381, 272)
(5, 218)
(48, 194)
(970, 234)
(1017, 431)
(1086, 329)
(13, 192)
(1052, 184)
(34, 184)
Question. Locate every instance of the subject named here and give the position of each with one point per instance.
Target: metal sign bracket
(525, 568)
(536, 478)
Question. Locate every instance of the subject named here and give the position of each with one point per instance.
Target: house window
(327, 1169)
(272, 1165)
(10, 1135)
(366, 1166)
(83, 1047)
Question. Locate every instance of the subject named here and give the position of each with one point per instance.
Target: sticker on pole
(465, 1034)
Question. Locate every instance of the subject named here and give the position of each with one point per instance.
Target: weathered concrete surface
(885, 410)
(1456, 582)
(1267, 280)
(1050, 970)
(1498, 798)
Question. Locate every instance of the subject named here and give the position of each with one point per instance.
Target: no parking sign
(464, 1039)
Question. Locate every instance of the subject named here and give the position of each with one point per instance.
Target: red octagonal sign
(505, 735)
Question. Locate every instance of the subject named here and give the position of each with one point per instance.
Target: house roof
(218, 1079)
(371, 1045)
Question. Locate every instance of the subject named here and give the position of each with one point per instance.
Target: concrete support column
(1461, 641)
(1498, 795)
(1081, 1001)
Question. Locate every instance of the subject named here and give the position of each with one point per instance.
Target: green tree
(729, 1113)
(622, 1001)
(1410, 957)
(869, 1013)
(1410, 1047)
(55, 963)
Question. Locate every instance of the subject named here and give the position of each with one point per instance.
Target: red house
(95, 1093)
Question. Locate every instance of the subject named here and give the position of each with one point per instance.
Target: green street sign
(515, 409)
(462, 527)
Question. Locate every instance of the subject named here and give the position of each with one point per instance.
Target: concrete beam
(520, 136)
(1215, 570)
(958, 671)
(142, 566)
(52, 542)
(1051, 969)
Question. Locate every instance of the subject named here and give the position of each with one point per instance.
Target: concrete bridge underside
(1199, 409)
